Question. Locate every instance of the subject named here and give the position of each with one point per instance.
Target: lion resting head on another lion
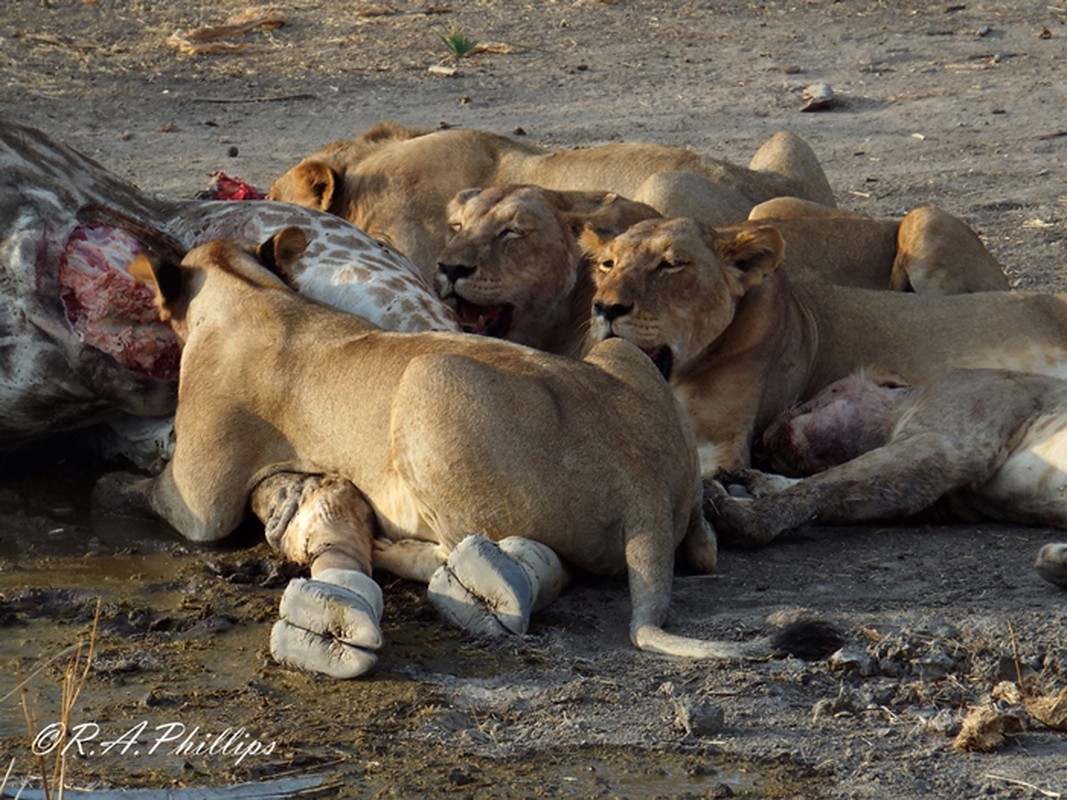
(512, 267)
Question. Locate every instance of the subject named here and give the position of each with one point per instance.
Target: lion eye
(509, 233)
(455, 227)
(607, 266)
(667, 266)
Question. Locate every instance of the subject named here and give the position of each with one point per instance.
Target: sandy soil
(962, 104)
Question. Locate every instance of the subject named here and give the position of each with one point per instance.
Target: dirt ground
(959, 103)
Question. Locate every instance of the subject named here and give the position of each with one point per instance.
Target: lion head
(512, 264)
(318, 181)
(672, 286)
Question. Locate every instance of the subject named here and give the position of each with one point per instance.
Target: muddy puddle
(182, 691)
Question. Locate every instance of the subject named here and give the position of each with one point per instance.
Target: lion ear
(593, 241)
(164, 276)
(311, 184)
(753, 252)
(281, 251)
(462, 198)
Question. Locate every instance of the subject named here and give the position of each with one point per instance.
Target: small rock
(697, 717)
(819, 96)
(233, 151)
(942, 721)
(853, 662)
(936, 665)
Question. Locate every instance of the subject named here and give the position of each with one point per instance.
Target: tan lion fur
(740, 342)
(396, 187)
(928, 251)
(515, 247)
(444, 434)
(514, 255)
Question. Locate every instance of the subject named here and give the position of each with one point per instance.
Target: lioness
(928, 251)
(739, 342)
(395, 184)
(512, 267)
(442, 434)
(985, 443)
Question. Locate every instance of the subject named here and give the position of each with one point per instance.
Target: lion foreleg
(330, 623)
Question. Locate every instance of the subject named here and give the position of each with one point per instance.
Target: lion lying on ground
(928, 251)
(980, 443)
(513, 267)
(424, 439)
(740, 343)
(395, 183)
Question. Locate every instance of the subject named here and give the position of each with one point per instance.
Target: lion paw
(482, 589)
(330, 624)
(1052, 563)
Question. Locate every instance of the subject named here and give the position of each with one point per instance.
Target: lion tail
(653, 639)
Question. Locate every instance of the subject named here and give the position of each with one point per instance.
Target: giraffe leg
(330, 623)
(492, 588)
(1052, 564)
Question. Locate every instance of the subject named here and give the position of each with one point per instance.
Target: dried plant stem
(74, 678)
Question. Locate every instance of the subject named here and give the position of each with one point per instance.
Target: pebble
(853, 661)
(819, 96)
(697, 717)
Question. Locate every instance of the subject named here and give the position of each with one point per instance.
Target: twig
(1015, 658)
(7, 776)
(44, 666)
(1038, 789)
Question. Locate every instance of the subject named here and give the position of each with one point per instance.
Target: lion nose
(612, 311)
(453, 272)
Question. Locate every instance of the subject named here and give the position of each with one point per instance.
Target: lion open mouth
(663, 359)
(487, 320)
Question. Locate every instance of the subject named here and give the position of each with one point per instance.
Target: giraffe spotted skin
(75, 331)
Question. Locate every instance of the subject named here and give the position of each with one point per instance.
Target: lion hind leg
(788, 155)
(700, 547)
(939, 254)
(410, 559)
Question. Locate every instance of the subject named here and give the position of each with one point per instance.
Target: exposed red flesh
(108, 309)
(226, 187)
